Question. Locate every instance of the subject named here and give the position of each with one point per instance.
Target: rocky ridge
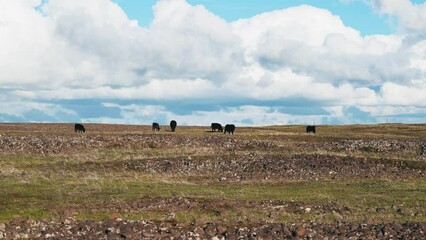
(123, 229)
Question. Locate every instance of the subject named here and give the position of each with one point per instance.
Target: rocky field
(278, 182)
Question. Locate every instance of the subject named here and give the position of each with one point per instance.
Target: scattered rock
(2, 230)
(115, 215)
(199, 232)
(300, 231)
(221, 230)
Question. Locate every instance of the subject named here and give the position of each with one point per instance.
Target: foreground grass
(41, 198)
(79, 184)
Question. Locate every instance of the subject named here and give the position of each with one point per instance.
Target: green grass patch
(42, 198)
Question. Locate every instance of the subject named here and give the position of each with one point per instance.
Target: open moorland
(277, 182)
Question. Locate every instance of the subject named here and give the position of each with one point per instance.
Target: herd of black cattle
(229, 128)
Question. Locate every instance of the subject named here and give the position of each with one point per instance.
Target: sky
(247, 62)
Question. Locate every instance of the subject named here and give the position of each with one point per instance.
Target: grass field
(373, 173)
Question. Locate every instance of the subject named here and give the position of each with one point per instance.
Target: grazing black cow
(79, 128)
(217, 126)
(155, 126)
(230, 128)
(173, 125)
(310, 129)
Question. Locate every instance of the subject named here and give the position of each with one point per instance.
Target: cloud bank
(294, 65)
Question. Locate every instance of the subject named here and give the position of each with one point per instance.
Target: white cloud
(393, 110)
(21, 109)
(249, 115)
(322, 47)
(305, 24)
(245, 115)
(156, 89)
(395, 94)
(195, 44)
(91, 50)
(412, 17)
(134, 114)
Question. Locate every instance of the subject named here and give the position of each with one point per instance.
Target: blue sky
(248, 62)
(357, 14)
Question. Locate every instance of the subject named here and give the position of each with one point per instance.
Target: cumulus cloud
(246, 115)
(156, 89)
(24, 111)
(412, 17)
(195, 44)
(395, 94)
(62, 45)
(71, 50)
(324, 48)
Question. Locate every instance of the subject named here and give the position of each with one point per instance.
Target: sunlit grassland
(40, 194)
(90, 184)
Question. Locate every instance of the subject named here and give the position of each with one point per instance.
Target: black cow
(310, 129)
(217, 126)
(155, 126)
(173, 125)
(79, 128)
(230, 128)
